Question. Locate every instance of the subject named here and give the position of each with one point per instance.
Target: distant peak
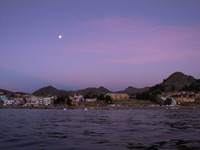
(177, 81)
(49, 87)
(130, 87)
(101, 87)
(177, 73)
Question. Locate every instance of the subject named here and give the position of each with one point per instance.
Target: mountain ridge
(176, 81)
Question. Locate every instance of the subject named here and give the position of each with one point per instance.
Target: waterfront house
(9, 102)
(19, 101)
(46, 101)
(3, 98)
(78, 97)
(90, 99)
(32, 101)
(118, 96)
(185, 100)
(75, 101)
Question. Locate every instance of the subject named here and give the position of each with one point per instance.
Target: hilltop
(132, 90)
(175, 82)
(7, 93)
(94, 91)
(49, 90)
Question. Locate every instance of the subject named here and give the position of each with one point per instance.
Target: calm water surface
(24, 129)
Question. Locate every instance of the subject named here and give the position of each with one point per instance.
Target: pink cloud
(155, 58)
(139, 40)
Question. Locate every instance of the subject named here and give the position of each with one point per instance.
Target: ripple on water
(99, 129)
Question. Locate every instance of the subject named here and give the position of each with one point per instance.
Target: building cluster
(179, 97)
(36, 101)
(167, 98)
(26, 100)
(78, 100)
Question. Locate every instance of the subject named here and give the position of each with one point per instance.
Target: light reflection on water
(99, 129)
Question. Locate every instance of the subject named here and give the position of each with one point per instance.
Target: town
(109, 100)
(175, 91)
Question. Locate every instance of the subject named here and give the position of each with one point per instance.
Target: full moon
(60, 36)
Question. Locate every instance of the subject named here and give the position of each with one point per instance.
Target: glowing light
(60, 36)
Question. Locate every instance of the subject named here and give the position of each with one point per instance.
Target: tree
(87, 96)
(69, 102)
(168, 101)
(100, 97)
(60, 100)
(173, 89)
(108, 99)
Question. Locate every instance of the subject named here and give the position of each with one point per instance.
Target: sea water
(38, 129)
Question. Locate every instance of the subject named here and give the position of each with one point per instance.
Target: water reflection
(99, 129)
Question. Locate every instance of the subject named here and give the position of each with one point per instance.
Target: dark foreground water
(99, 129)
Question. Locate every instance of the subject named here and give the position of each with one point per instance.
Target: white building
(90, 99)
(46, 101)
(78, 97)
(9, 102)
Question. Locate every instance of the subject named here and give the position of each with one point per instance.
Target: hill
(132, 90)
(94, 91)
(49, 91)
(6, 92)
(177, 81)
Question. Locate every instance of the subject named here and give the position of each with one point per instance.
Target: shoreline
(103, 107)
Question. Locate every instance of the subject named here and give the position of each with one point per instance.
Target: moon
(60, 36)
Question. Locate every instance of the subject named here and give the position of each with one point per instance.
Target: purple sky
(111, 43)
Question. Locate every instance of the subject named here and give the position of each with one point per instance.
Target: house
(118, 96)
(9, 102)
(3, 98)
(78, 97)
(75, 101)
(166, 99)
(90, 99)
(19, 101)
(32, 101)
(46, 101)
(185, 100)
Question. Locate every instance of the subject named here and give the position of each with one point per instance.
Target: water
(37, 129)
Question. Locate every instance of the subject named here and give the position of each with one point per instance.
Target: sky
(110, 43)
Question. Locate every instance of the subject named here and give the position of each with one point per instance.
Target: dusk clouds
(137, 40)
